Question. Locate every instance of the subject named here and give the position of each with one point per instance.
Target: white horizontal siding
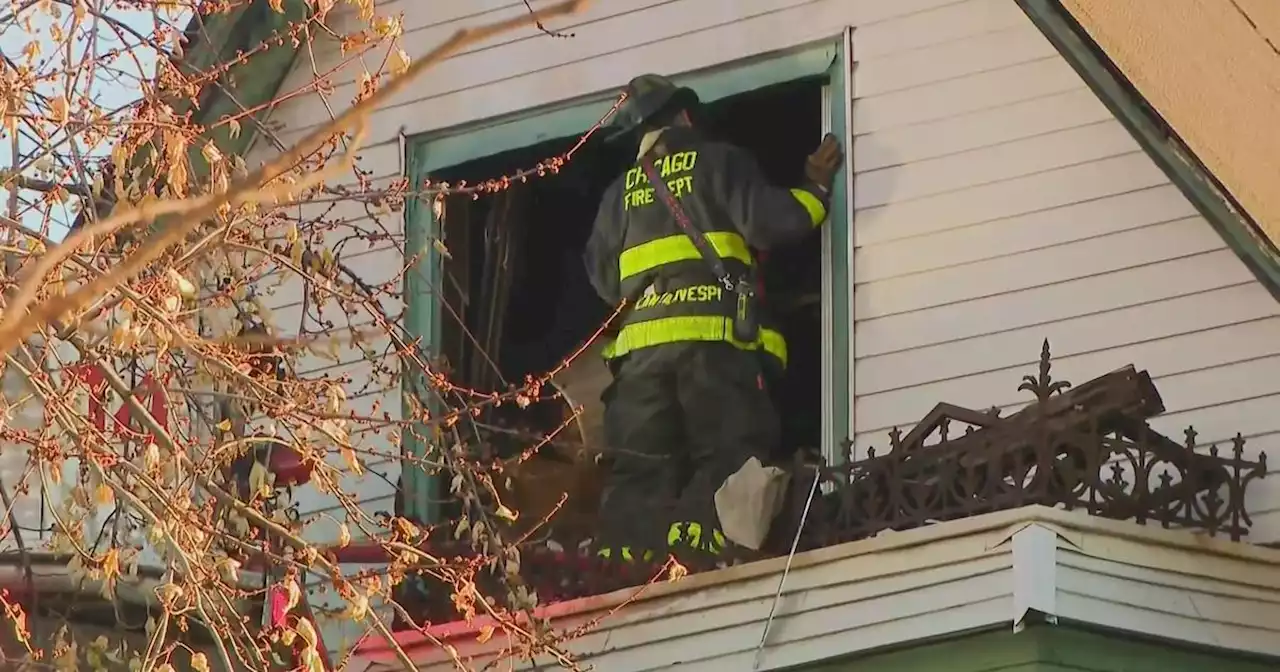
(31, 510)
(524, 69)
(368, 241)
(979, 129)
(998, 203)
(372, 489)
(1225, 609)
(882, 592)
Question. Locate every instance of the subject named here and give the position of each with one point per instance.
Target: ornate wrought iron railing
(1088, 447)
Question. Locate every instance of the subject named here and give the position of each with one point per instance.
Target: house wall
(26, 413)
(1131, 587)
(997, 204)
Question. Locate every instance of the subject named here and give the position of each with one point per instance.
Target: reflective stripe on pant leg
(690, 534)
(625, 553)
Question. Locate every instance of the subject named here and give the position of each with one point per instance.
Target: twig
(105, 283)
(22, 317)
(543, 28)
(24, 554)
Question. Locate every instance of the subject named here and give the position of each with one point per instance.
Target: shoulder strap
(696, 236)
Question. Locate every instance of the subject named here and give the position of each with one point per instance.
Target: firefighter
(688, 406)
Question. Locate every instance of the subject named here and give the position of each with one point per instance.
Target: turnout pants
(679, 419)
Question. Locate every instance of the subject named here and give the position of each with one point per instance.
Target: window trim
(433, 151)
(837, 262)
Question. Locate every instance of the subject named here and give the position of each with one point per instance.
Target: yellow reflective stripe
(693, 328)
(774, 344)
(691, 534)
(625, 552)
(812, 205)
(655, 253)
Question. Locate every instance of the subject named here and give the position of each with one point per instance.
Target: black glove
(821, 166)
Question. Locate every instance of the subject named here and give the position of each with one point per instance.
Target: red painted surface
(378, 651)
(278, 616)
(150, 391)
(277, 606)
(288, 466)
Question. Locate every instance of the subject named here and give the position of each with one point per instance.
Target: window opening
(517, 299)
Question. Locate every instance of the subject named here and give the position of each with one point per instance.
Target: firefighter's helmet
(647, 96)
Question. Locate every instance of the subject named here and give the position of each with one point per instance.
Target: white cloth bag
(749, 500)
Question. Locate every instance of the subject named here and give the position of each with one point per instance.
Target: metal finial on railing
(1043, 385)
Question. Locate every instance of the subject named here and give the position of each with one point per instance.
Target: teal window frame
(427, 153)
